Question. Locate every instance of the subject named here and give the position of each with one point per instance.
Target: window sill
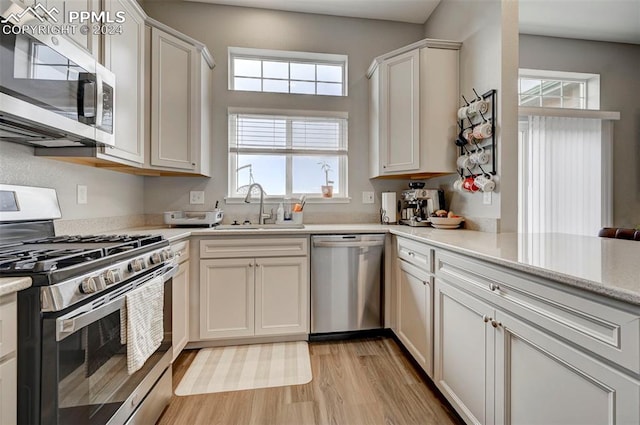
(277, 199)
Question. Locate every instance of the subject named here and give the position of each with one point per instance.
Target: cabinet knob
(495, 324)
(494, 287)
(384, 166)
(485, 318)
(250, 264)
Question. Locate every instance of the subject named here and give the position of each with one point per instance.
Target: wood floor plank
(355, 382)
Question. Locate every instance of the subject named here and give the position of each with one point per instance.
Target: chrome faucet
(261, 214)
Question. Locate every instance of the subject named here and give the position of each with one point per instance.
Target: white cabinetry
(8, 366)
(88, 40)
(414, 289)
(124, 56)
(254, 287)
(180, 298)
(180, 105)
(412, 111)
(510, 349)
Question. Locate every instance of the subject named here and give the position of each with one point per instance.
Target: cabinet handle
(485, 318)
(494, 287)
(495, 324)
(412, 254)
(384, 166)
(250, 264)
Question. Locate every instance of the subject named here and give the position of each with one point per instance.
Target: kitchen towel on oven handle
(142, 323)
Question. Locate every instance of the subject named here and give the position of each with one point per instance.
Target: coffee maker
(419, 204)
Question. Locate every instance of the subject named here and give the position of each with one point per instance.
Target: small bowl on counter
(446, 222)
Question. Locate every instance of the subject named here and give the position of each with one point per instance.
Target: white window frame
(342, 195)
(591, 82)
(288, 57)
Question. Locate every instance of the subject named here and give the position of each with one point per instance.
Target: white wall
(619, 68)
(488, 30)
(110, 194)
(222, 26)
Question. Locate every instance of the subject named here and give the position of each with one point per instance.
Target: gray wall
(110, 194)
(222, 26)
(619, 68)
(488, 31)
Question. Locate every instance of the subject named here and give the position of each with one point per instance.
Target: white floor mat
(247, 367)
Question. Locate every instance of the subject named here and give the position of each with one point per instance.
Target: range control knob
(137, 265)
(155, 258)
(89, 285)
(111, 276)
(167, 254)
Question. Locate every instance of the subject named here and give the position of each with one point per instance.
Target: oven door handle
(78, 319)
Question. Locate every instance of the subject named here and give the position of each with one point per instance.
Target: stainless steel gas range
(72, 355)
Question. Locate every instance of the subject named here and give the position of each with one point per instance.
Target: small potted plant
(327, 188)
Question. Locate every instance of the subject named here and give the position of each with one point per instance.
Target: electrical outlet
(486, 198)
(368, 197)
(81, 194)
(196, 197)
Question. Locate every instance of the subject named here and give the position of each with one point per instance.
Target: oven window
(92, 373)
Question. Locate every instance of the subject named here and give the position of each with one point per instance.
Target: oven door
(84, 362)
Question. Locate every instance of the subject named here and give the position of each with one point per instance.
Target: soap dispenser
(280, 213)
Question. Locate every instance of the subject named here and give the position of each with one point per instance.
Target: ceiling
(412, 11)
(603, 20)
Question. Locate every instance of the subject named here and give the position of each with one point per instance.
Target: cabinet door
(89, 41)
(464, 352)
(8, 385)
(180, 309)
(540, 380)
(400, 114)
(282, 296)
(226, 298)
(173, 97)
(124, 56)
(415, 314)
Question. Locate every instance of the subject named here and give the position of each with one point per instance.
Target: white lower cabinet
(180, 313)
(495, 368)
(414, 323)
(540, 380)
(8, 365)
(464, 353)
(257, 296)
(226, 298)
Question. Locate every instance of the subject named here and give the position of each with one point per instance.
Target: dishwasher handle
(347, 244)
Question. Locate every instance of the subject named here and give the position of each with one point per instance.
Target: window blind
(278, 134)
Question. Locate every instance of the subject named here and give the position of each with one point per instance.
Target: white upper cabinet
(124, 56)
(180, 104)
(412, 110)
(88, 40)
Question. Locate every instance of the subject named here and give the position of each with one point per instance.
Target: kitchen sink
(258, 226)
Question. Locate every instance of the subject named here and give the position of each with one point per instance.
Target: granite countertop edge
(621, 294)
(9, 285)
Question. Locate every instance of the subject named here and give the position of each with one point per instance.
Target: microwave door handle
(67, 325)
(99, 109)
(87, 101)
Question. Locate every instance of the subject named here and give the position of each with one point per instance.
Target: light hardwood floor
(354, 382)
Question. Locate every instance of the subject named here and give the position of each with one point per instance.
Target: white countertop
(9, 285)
(609, 267)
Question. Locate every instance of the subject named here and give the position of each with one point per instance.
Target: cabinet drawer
(254, 247)
(595, 323)
(181, 250)
(415, 253)
(8, 320)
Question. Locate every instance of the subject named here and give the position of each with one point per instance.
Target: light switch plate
(368, 197)
(81, 194)
(196, 197)
(486, 198)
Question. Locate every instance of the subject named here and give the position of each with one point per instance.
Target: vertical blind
(561, 175)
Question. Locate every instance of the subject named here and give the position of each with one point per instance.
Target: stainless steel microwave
(53, 93)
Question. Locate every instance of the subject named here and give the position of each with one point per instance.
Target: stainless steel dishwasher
(346, 284)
